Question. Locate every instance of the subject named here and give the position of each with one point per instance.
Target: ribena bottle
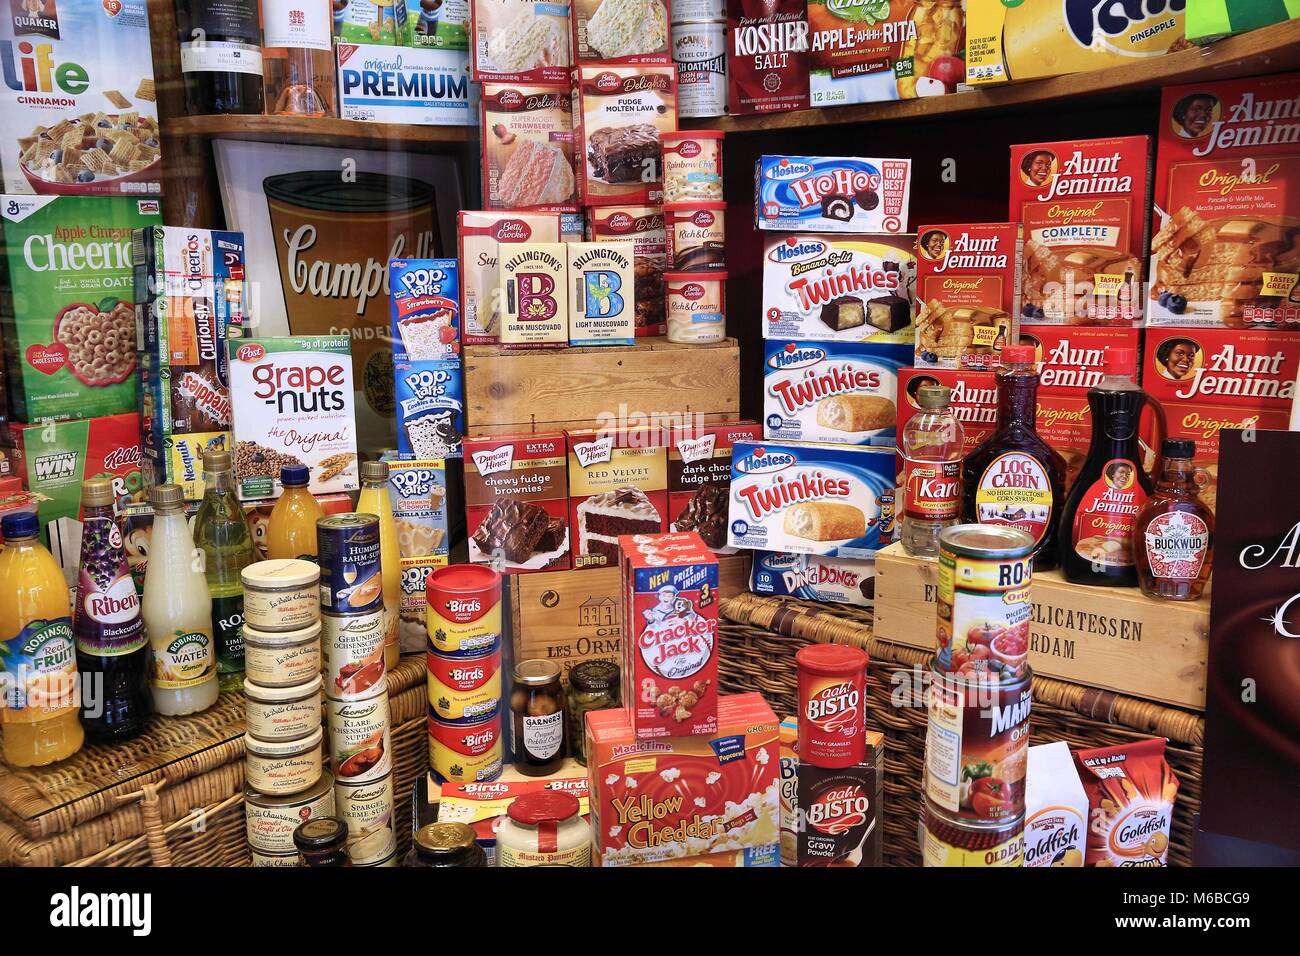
(1173, 534)
(933, 441)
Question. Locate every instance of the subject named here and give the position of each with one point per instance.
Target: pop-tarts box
(813, 577)
(420, 86)
(832, 194)
(425, 299)
(842, 393)
(430, 408)
(808, 499)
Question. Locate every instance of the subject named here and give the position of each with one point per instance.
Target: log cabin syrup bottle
(1015, 478)
(1095, 539)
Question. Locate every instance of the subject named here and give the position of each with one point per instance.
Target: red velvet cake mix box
(1070, 357)
(699, 478)
(618, 484)
(1230, 367)
(517, 501)
(965, 293)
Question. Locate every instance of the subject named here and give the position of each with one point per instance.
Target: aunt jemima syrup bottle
(1096, 535)
(1014, 478)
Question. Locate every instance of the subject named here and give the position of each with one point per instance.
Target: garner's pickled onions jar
(832, 705)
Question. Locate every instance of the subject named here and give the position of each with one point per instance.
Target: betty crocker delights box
(479, 236)
(621, 112)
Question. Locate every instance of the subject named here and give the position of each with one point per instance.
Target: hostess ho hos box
(832, 193)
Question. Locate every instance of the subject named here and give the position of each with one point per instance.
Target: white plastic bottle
(933, 443)
(177, 612)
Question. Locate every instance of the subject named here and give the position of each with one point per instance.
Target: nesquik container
(281, 595)
(692, 166)
(465, 753)
(282, 658)
(464, 610)
(696, 305)
(696, 237)
(832, 705)
(464, 690)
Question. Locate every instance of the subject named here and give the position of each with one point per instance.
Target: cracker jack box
(1226, 246)
(832, 194)
(677, 797)
(809, 499)
(699, 477)
(479, 236)
(1246, 369)
(829, 287)
(417, 86)
(965, 293)
(839, 393)
(813, 577)
(430, 408)
(425, 297)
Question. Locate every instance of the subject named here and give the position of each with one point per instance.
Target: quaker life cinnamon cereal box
(1071, 358)
(78, 106)
(478, 236)
(399, 84)
(829, 287)
(622, 111)
(524, 41)
(808, 499)
(643, 226)
(425, 297)
(533, 287)
(1082, 207)
(602, 302)
(965, 293)
(189, 286)
(767, 56)
(677, 797)
(441, 24)
(812, 577)
(832, 194)
(292, 404)
(66, 307)
(886, 50)
(528, 147)
(1225, 252)
(1245, 369)
(621, 31)
(973, 399)
(430, 408)
(699, 475)
(517, 501)
(839, 393)
(618, 484)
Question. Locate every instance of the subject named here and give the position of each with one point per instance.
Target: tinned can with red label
(950, 841)
(465, 753)
(832, 705)
(983, 605)
(464, 690)
(464, 610)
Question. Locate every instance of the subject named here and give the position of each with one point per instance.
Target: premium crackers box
(602, 302)
(520, 41)
(1226, 246)
(832, 194)
(66, 304)
(699, 477)
(398, 84)
(528, 144)
(622, 111)
(533, 286)
(643, 226)
(965, 293)
(517, 501)
(618, 484)
(425, 299)
(479, 236)
(1082, 209)
(767, 56)
(620, 31)
(430, 408)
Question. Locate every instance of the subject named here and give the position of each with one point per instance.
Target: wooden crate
(1113, 638)
(574, 616)
(508, 391)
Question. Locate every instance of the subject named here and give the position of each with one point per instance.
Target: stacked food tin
(356, 685)
(282, 693)
(464, 660)
(700, 53)
(978, 700)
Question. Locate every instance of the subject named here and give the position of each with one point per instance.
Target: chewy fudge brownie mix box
(618, 484)
(517, 501)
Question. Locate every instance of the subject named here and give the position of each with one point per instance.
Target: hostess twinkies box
(832, 194)
(699, 474)
(425, 297)
(965, 293)
(528, 147)
(1082, 209)
(520, 41)
(479, 236)
(670, 637)
(618, 484)
(840, 393)
(292, 404)
(602, 302)
(1071, 358)
(189, 287)
(1244, 369)
(643, 226)
(66, 306)
(1026, 41)
(620, 31)
(430, 408)
(517, 501)
(441, 24)
(401, 84)
(533, 289)
(831, 287)
(809, 499)
(813, 577)
(1225, 249)
(621, 112)
(677, 797)
(973, 399)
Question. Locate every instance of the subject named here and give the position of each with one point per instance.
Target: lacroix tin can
(983, 602)
(348, 553)
(465, 753)
(464, 690)
(832, 705)
(977, 746)
(464, 614)
(353, 648)
(947, 841)
(368, 810)
(361, 747)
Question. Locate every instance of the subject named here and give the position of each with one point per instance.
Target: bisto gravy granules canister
(832, 705)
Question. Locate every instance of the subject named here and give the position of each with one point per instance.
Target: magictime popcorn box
(654, 800)
(966, 291)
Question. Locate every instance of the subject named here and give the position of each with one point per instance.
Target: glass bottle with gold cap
(374, 500)
(445, 845)
(221, 531)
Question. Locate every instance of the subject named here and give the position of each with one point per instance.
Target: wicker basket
(760, 636)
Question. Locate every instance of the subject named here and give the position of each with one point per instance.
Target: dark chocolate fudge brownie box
(618, 484)
(699, 475)
(516, 502)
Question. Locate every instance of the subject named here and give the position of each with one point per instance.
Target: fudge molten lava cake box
(622, 111)
(618, 484)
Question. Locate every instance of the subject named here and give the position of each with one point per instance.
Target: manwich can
(983, 605)
(948, 841)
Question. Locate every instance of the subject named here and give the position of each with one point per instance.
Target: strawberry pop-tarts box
(1236, 367)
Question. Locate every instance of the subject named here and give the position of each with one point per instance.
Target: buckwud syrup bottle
(1015, 478)
(932, 447)
(1095, 540)
(1174, 532)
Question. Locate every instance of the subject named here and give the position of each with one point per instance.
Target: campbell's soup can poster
(319, 228)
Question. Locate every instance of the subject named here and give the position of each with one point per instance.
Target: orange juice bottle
(38, 655)
(291, 530)
(374, 500)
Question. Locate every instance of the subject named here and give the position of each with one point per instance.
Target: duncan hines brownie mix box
(623, 112)
(699, 478)
(517, 502)
(478, 235)
(1081, 206)
(522, 41)
(832, 194)
(528, 147)
(1243, 369)
(618, 484)
(620, 31)
(1072, 358)
(767, 56)
(965, 293)
(1226, 246)
(643, 226)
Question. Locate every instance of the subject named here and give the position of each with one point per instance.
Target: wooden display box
(574, 616)
(1113, 638)
(539, 390)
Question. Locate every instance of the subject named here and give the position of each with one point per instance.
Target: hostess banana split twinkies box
(832, 194)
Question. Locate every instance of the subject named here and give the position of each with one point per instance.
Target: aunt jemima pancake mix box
(974, 399)
(1071, 359)
(478, 235)
(1226, 248)
(677, 797)
(623, 111)
(618, 484)
(528, 147)
(1081, 206)
(517, 501)
(965, 292)
(1244, 369)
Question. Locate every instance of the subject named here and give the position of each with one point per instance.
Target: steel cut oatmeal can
(983, 605)
(464, 610)
(832, 705)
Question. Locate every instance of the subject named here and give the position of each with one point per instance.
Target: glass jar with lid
(322, 841)
(537, 719)
(543, 828)
(445, 845)
(593, 685)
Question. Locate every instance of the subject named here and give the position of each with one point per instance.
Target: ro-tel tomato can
(347, 547)
(464, 613)
(353, 648)
(832, 705)
(983, 603)
(465, 753)
(361, 748)
(977, 746)
(464, 690)
(950, 841)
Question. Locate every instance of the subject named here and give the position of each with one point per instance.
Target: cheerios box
(66, 307)
(677, 797)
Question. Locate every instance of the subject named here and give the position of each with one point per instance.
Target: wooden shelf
(322, 131)
(1272, 49)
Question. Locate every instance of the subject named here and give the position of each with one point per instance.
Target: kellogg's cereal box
(425, 295)
(767, 56)
(430, 408)
(965, 291)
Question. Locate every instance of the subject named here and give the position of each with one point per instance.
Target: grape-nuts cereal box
(425, 295)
